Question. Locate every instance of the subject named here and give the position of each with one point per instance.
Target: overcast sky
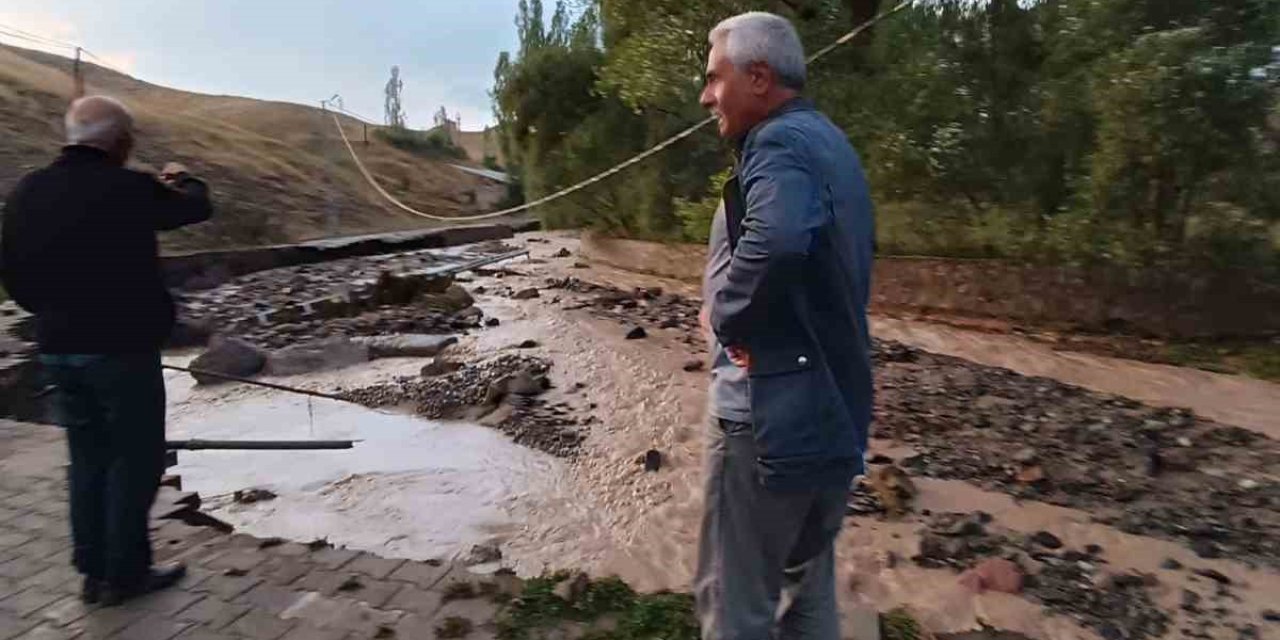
(294, 50)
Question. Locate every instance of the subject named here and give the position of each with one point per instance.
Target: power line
(36, 41)
(35, 37)
(618, 168)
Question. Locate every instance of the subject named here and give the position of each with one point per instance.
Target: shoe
(158, 578)
(91, 592)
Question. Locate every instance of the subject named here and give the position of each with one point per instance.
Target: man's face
(736, 97)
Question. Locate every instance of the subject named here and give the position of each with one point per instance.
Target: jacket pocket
(774, 362)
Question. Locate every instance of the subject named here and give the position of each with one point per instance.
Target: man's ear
(760, 76)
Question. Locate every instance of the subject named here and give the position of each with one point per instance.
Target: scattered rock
(1026, 456)
(994, 574)
(492, 322)
(407, 346)
(694, 365)
(893, 487)
(1206, 548)
(1190, 601)
(484, 554)
(319, 544)
(439, 367)
(250, 496)
(1212, 574)
(228, 356)
(562, 253)
(321, 355)
(352, 583)
(636, 333)
(652, 460)
(1046, 540)
(528, 344)
(525, 294)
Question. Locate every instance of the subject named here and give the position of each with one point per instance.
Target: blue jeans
(112, 407)
(766, 561)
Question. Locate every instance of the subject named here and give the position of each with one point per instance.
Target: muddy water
(409, 488)
(421, 489)
(647, 401)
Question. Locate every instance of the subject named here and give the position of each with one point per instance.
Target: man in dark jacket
(786, 291)
(79, 252)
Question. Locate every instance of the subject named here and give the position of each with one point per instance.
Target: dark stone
(1214, 575)
(228, 356)
(637, 333)
(438, 367)
(1093, 549)
(1190, 601)
(527, 344)
(881, 458)
(484, 554)
(652, 460)
(562, 253)
(525, 294)
(669, 323)
(250, 496)
(694, 365)
(1170, 564)
(1046, 540)
(492, 322)
(1271, 615)
(1206, 548)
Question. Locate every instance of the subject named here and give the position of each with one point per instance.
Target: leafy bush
(430, 144)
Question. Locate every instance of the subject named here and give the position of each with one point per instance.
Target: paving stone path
(239, 586)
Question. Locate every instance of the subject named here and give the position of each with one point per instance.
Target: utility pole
(78, 74)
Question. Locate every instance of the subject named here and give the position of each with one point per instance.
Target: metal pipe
(265, 445)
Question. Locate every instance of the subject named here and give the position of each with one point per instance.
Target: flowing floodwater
(421, 489)
(409, 487)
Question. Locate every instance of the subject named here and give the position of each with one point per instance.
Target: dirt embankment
(278, 171)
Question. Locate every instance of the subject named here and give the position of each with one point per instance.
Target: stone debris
(228, 356)
(250, 496)
(321, 355)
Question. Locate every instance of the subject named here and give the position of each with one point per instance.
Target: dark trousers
(112, 407)
(766, 559)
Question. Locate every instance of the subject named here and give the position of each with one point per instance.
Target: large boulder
(321, 355)
(451, 300)
(229, 357)
(411, 345)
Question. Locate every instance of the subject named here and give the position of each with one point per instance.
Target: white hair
(763, 37)
(97, 121)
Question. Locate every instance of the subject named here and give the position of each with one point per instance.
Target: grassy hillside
(277, 169)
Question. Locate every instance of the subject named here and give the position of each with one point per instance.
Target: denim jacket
(802, 233)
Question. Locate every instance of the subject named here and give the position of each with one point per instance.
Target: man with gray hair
(79, 252)
(786, 293)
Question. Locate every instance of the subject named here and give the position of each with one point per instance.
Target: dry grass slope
(277, 169)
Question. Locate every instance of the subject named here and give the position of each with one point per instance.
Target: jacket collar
(798, 103)
(79, 153)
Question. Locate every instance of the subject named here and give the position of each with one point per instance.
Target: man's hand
(704, 321)
(738, 356)
(173, 172)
